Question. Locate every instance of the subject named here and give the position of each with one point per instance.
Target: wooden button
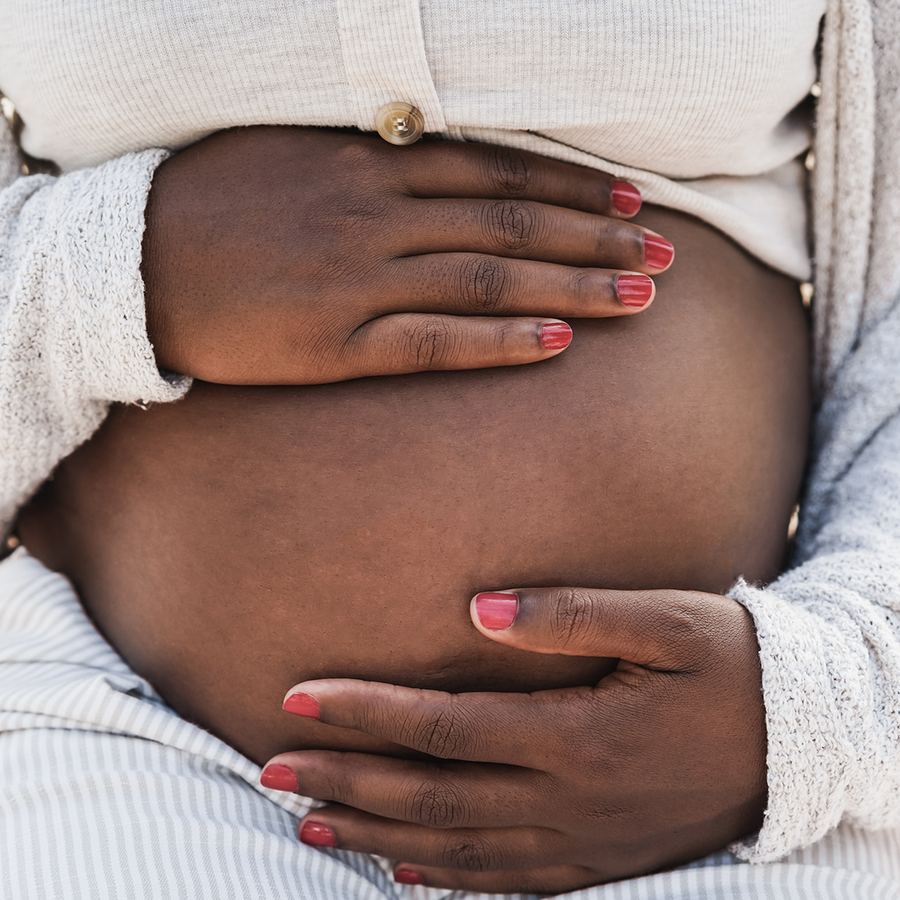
(400, 123)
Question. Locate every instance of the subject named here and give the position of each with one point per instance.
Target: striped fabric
(106, 794)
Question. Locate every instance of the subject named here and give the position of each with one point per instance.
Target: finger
(453, 169)
(467, 849)
(435, 795)
(409, 342)
(528, 230)
(549, 880)
(478, 727)
(478, 284)
(662, 629)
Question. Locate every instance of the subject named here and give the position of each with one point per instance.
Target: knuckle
(471, 853)
(359, 218)
(338, 791)
(506, 336)
(684, 616)
(486, 285)
(573, 613)
(602, 814)
(508, 172)
(605, 234)
(431, 344)
(690, 623)
(582, 288)
(514, 224)
(444, 735)
(437, 805)
(364, 158)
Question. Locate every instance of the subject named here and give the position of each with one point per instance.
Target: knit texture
(829, 629)
(74, 334)
(74, 339)
(695, 101)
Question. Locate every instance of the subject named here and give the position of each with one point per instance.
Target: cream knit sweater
(73, 339)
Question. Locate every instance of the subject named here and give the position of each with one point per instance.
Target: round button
(400, 123)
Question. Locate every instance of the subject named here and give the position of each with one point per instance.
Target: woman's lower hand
(660, 763)
(301, 256)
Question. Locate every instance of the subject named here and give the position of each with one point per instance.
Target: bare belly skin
(246, 539)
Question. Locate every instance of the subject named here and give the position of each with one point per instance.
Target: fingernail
(556, 335)
(658, 252)
(626, 198)
(317, 835)
(302, 705)
(634, 290)
(496, 611)
(407, 876)
(279, 778)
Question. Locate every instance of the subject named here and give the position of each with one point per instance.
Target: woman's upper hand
(300, 256)
(661, 763)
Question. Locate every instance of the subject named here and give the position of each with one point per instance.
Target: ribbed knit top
(696, 101)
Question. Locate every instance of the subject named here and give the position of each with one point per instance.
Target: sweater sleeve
(73, 335)
(829, 628)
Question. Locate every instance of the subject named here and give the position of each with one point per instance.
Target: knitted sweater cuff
(829, 748)
(102, 226)
(71, 315)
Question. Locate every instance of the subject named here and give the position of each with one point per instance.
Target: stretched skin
(264, 536)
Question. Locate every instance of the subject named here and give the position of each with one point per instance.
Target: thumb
(659, 629)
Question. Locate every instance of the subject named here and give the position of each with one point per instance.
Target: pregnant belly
(246, 539)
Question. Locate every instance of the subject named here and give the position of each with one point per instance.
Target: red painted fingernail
(496, 611)
(302, 705)
(634, 290)
(556, 336)
(626, 198)
(317, 835)
(407, 876)
(658, 252)
(279, 778)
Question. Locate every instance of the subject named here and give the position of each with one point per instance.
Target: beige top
(695, 101)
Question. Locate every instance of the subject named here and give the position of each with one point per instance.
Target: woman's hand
(661, 763)
(301, 256)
